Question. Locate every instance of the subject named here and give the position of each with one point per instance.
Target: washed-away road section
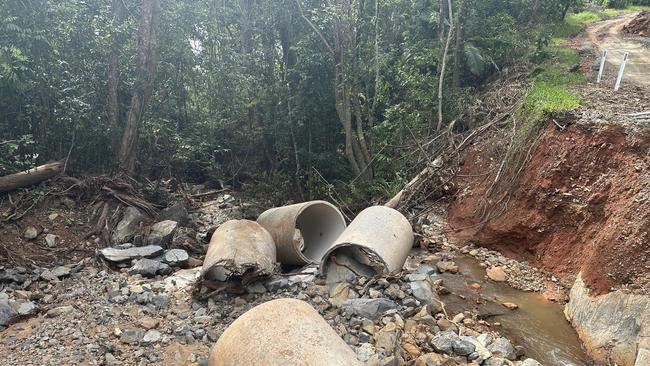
(608, 35)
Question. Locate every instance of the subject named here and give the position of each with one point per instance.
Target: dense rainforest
(291, 94)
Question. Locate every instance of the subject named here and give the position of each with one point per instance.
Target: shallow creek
(538, 325)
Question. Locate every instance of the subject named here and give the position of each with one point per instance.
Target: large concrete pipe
(303, 232)
(281, 332)
(239, 250)
(377, 241)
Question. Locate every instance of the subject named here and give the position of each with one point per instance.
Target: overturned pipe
(377, 241)
(239, 250)
(281, 332)
(303, 232)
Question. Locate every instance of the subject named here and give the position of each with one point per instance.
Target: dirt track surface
(608, 35)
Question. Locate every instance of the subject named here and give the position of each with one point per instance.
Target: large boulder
(613, 327)
(128, 227)
(162, 233)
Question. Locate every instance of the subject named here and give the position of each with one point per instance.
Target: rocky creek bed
(150, 311)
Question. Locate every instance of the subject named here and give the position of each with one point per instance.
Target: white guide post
(621, 71)
(602, 66)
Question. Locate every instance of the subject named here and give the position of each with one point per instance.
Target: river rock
(50, 240)
(27, 308)
(423, 291)
(510, 305)
(162, 233)
(443, 342)
(30, 233)
(55, 274)
(124, 254)
(176, 212)
(6, 313)
(531, 362)
(463, 347)
(497, 274)
(128, 226)
(495, 361)
(152, 336)
(149, 267)
(430, 359)
(58, 311)
(447, 266)
(368, 308)
(503, 348)
(175, 257)
(611, 326)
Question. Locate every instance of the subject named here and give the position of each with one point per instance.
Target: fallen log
(30, 177)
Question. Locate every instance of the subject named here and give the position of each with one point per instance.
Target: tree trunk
(460, 42)
(144, 85)
(114, 73)
(30, 177)
(441, 77)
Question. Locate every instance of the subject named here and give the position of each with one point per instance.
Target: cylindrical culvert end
(240, 250)
(281, 332)
(378, 241)
(303, 232)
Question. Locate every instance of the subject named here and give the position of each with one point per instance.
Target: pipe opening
(317, 226)
(349, 261)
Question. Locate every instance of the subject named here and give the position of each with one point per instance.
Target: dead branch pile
(640, 25)
(440, 154)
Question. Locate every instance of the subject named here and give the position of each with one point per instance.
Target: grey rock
(176, 212)
(365, 351)
(27, 308)
(131, 336)
(58, 311)
(56, 273)
(128, 226)
(162, 233)
(149, 268)
(463, 347)
(174, 257)
(443, 342)
(110, 360)
(30, 233)
(425, 269)
(368, 308)
(495, 361)
(152, 336)
(485, 339)
(50, 240)
(531, 362)
(6, 313)
(124, 254)
(276, 284)
(423, 291)
(503, 348)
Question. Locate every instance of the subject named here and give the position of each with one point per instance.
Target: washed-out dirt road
(608, 35)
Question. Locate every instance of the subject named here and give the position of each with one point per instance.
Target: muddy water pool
(538, 325)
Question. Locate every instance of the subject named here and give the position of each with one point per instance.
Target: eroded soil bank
(580, 206)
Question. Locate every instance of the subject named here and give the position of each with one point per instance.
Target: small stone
(162, 233)
(365, 351)
(443, 342)
(110, 360)
(50, 240)
(128, 226)
(447, 266)
(430, 359)
(152, 336)
(149, 323)
(412, 350)
(30, 233)
(27, 308)
(126, 254)
(58, 311)
(131, 336)
(53, 216)
(149, 267)
(462, 347)
(503, 348)
(175, 257)
(497, 274)
(368, 308)
(55, 274)
(510, 305)
(531, 362)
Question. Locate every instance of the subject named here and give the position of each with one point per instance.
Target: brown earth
(640, 25)
(581, 204)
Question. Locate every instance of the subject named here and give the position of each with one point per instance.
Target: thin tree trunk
(441, 78)
(114, 73)
(460, 42)
(144, 84)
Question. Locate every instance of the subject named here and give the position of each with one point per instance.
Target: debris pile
(640, 25)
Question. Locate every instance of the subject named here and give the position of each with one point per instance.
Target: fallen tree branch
(30, 177)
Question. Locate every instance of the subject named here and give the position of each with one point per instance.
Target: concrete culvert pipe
(281, 332)
(240, 250)
(377, 241)
(303, 232)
